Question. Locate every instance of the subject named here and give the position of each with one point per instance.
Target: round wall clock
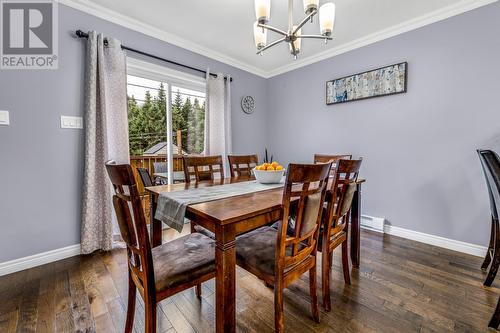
(248, 104)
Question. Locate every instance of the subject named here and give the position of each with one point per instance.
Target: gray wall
(41, 165)
(418, 148)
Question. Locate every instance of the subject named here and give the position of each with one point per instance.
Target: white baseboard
(378, 224)
(450, 244)
(20, 264)
(367, 222)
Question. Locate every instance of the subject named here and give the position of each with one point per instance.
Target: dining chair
(145, 177)
(200, 168)
(165, 270)
(242, 165)
(490, 163)
(335, 225)
(495, 318)
(280, 259)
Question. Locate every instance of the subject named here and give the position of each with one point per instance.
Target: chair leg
(279, 320)
(314, 295)
(198, 290)
(132, 291)
(495, 319)
(345, 263)
(496, 260)
(150, 326)
(325, 279)
(491, 246)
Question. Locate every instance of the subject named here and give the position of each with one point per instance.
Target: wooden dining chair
(165, 270)
(242, 165)
(491, 168)
(145, 177)
(200, 168)
(280, 259)
(334, 229)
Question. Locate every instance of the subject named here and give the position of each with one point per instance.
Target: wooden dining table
(230, 217)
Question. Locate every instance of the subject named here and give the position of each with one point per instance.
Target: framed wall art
(383, 81)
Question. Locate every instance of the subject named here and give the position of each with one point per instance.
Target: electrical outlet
(71, 122)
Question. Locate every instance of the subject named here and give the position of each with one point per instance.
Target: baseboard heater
(372, 223)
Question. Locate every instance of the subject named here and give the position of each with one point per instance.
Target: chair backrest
(160, 167)
(343, 186)
(145, 177)
(491, 168)
(200, 168)
(305, 184)
(242, 165)
(324, 158)
(132, 223)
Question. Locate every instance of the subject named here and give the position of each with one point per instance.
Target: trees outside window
(147, 109)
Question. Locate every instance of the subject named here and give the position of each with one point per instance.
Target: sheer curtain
(218, 136)
(106, 136)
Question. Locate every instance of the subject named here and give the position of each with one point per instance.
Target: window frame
(170, 77)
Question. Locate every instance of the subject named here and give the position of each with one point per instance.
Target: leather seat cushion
(256, 249)
(182, 260)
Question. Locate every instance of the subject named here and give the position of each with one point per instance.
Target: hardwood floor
(402, 286)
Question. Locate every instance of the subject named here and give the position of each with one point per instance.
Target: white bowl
(268, 177)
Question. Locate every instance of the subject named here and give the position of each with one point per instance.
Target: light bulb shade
(259, 36)
(297, 42)
(262, 10)
(327, 18)
(310, 5)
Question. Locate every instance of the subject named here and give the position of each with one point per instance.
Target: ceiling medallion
(293, 35)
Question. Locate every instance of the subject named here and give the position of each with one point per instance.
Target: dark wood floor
(402, 286)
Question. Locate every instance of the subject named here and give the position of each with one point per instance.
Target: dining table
(229, 217)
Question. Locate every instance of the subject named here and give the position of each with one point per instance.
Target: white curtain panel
(106, 136)
(218, 136)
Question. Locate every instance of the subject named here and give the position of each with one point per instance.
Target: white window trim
(171, 77)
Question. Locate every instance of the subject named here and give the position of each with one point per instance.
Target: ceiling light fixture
(293, 35)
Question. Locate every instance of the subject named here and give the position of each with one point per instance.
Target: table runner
(171, 207)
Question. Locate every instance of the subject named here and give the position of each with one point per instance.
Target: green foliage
(147, 122)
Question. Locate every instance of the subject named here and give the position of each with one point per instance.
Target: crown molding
(433, 17)
(128, 22)
(136, 25)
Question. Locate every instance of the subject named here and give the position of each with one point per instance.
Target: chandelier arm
(294, 50)
(304, 21)
(268, 27)
(271, 45)
(314, 36)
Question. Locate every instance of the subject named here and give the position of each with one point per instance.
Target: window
(166, 113)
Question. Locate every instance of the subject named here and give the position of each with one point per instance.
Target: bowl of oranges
(269, 173)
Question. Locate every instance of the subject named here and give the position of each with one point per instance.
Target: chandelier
(293, 35)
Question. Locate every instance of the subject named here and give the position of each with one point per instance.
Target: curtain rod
(81, 34)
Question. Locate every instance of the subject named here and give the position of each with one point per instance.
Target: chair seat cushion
(256, 249)
(182, 260)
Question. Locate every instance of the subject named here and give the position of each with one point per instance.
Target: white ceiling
(222, 29)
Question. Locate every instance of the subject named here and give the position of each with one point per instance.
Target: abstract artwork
(384, 81)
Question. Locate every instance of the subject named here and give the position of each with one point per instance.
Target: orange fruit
(279, 167)
(270, 168)
(265, 165)
(275, 164)
(257, 167)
